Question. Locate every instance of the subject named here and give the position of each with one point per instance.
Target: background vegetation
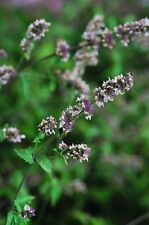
(115, 182)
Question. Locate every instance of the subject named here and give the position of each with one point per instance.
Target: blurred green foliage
(114, 195)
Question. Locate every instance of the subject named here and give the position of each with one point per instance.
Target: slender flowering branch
(129, 31)
(95, 35)
(109, 90)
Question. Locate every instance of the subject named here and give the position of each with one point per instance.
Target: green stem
(38, 61)
(21, 183)
(19, 69)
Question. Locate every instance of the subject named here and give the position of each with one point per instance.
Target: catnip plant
(96, 34)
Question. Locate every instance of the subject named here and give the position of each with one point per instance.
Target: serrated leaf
(25, 154)
(45, 164)
(38, 138)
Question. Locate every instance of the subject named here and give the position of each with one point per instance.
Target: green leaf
(25, 154)
(45, 164)
(39, 138)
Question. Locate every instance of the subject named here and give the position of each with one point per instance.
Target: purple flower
(86, 105)
(62, 50)
(48, 125)
(80, 152)
(107, 39)
(96, 24)
(28, 212)
(91, 37)
(111, 88)
(12, 134)
(6, 73)
(37, 30)
(63, 146)
(67, 118)
(128, 31)
(26, 46)
(87, 55)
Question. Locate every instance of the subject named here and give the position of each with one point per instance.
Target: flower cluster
(79, 151)
(28, 212)
(6, 73)
(13, 134)
(67, 118)
(62, 50)
(95, 33)
(107, 38)
(89, 47)
(26, 46)
(109, 90)
(112, 88)
(129, 31)
(35, 32)
(86, 105)
(87, 54)
(37, 29)
(48, 125)
(63, 146)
